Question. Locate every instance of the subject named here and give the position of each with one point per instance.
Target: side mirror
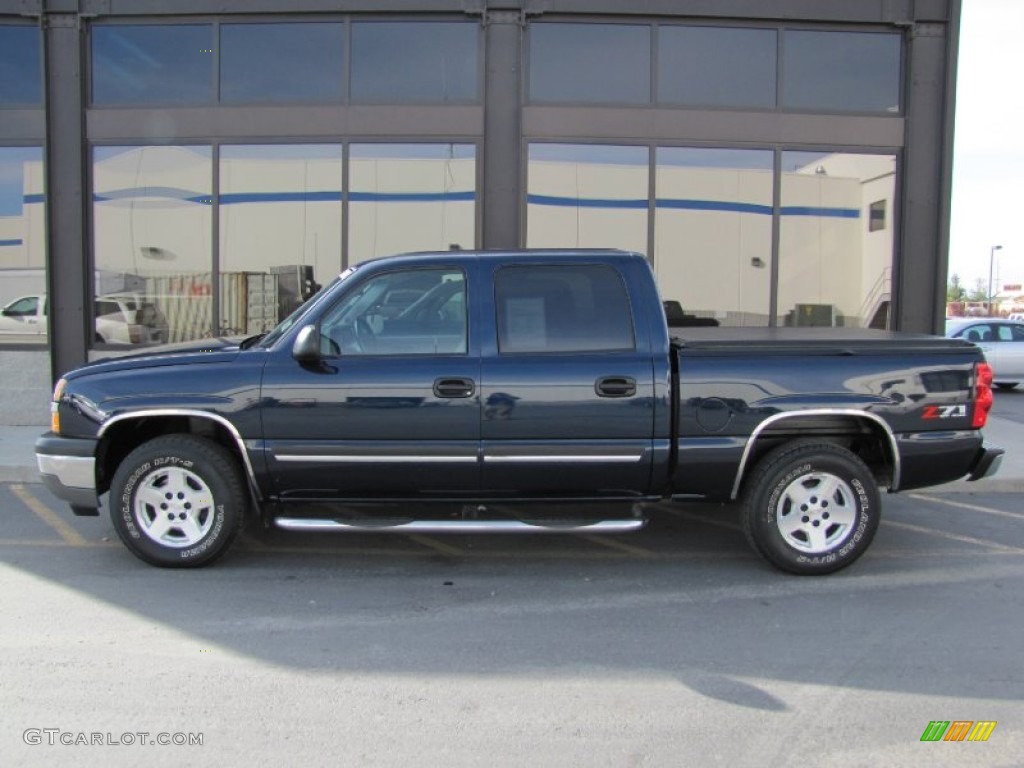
(306, 348)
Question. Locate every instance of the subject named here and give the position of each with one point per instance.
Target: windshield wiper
(246, 343)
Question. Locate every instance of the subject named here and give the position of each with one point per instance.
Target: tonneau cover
(812, 341)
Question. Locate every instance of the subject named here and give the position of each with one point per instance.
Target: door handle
(455, 387)
(615, 386)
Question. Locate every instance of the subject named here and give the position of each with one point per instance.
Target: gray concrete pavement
(17, 460)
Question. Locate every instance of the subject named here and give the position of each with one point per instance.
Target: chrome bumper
(66, 475)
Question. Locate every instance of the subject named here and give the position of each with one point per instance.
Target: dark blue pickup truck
(428, 392)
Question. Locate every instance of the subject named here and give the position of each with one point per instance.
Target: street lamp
(991, 261)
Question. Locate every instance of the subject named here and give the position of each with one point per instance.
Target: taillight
(982, 394)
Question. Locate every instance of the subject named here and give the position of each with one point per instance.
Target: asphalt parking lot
(673, 646)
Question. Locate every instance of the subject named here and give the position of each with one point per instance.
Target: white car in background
(120, 319)
(1001, 340)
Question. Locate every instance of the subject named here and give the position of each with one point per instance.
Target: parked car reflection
(1002, 341)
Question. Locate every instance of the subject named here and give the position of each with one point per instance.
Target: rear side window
(555, 308)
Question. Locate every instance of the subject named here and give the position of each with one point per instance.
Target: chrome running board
(459, 526)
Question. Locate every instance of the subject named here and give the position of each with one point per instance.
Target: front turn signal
(58, 393)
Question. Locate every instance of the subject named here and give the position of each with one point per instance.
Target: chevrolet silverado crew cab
(436, 392)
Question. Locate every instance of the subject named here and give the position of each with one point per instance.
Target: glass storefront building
(168, 175)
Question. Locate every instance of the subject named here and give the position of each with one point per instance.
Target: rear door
(567, 389)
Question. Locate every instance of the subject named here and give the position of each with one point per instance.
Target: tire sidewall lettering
(212, 464)
(766, 497)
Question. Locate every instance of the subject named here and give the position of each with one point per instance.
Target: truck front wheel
(178, 501)
(811, 507)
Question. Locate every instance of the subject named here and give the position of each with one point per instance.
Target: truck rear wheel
(178, 501)
(811, 507)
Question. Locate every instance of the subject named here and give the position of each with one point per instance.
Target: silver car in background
(1001, 340)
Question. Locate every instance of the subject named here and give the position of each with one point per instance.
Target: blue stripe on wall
(584, 202)
(234, 198)
(830, 213)
(722, 206)
(33, 198)
(4, 243)
(677, 204)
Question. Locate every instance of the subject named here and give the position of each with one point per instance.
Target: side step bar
(459, 526)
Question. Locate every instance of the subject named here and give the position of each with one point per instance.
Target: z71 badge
(944, 412)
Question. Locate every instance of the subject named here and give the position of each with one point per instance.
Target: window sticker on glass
(525, 322)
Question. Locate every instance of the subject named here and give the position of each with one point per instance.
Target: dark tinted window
(152, 64)
(562, 309)
(842, 71)
(716, 67)
(590, 63)
(415, 62)
(26, 307)
(281, 62)
(22, 81)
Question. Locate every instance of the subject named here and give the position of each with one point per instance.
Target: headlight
(58, 393)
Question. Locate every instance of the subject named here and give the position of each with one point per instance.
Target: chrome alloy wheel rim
(174, 507)
(816, 512)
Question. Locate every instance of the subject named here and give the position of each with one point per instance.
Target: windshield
(290, 321)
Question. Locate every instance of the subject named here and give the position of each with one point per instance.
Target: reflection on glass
(401, 312)
(22, 246)
(716, 67)
(152, 222)
(590, 63)
(833, 269)
(410, 197)
(152, 64)
(20, 61)
(842, 71)
(298, 62)
(415, 62)
(587, 196)
(713, 233)
(280, 230)
(549, 308)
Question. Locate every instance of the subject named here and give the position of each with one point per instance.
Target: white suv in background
(120, 319)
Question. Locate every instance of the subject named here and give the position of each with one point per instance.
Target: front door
(392, 410)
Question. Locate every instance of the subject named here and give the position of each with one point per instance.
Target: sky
(988, 155)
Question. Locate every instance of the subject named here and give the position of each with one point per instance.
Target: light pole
(991, 261)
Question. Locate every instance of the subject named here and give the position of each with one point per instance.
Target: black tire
(810, 507)
(1007, 385)
(196, 483)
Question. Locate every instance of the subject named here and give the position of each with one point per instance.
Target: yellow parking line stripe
(629, 549)
(66, 532)
(33, 543)
(962, 505)
(955, 537)
(434, 544)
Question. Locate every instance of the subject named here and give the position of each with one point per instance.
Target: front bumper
(67, 467)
